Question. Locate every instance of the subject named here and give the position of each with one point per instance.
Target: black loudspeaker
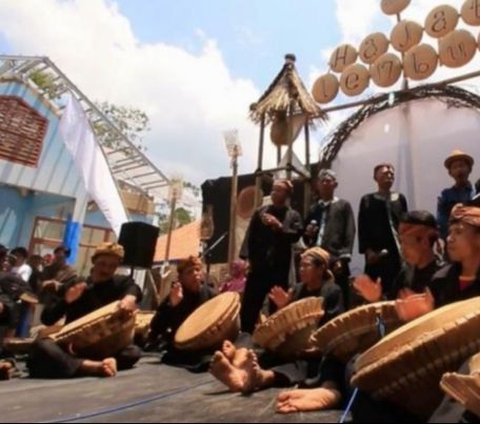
(139, 241)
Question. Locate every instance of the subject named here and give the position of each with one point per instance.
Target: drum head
(208, 316)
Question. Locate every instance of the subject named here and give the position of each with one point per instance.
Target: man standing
(268, 247)
(331, 226)
(459, 166)
(378, 221)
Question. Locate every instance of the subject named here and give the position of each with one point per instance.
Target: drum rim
(230, 312)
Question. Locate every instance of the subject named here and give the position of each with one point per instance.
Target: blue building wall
(52, 189)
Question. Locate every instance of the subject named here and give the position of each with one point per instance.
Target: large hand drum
(98, 335)
(211, 324)
(465, 389)
(355, 331)
(406, 366)
(288, 331)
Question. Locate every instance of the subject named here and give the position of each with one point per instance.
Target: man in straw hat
(267, 245)
(186, 295)
(461, 279)
(459, 166)
(77, 299)
(244, 371)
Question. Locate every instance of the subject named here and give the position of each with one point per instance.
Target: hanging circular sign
(354, 80)
(420, 62)
(342, 57)
(457, 48)
(386, 70)
(405, 35)
(441, 21)
(471, 12)
(393, 7)
(373, 47)
(325, 88)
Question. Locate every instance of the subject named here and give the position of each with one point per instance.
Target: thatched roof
(286, 89)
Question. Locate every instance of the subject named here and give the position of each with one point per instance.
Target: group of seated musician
(425, 281)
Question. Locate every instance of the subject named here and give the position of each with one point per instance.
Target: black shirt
(378, 220)
(415, 279)
(270, 251)
(168, 319)
(339, 232)
(445, 286)
(332, 298)
(94, 297)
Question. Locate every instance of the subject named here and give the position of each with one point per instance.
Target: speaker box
(139, 241)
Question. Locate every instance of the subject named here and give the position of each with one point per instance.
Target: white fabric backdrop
(91, 163)
(416, 137)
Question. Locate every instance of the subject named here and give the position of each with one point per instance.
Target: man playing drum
(185, 297)
(75, 300)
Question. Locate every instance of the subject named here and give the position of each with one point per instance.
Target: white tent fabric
(91, 163)
(416, 137)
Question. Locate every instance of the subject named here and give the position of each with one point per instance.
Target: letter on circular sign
(420, 62)
(354, 80)
(441, 21)
(325, 88)
(392, 7)
(471, 12)
(343, 56)
(457, 48)
(372, 47)
(405, 35)
(386, 70)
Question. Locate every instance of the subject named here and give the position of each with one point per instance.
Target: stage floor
(150, 393)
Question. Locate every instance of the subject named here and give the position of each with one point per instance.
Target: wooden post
(233, 208)
(258, 179)
(307, 189)
(173, 205)
(290, 146)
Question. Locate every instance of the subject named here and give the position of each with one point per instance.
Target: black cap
(65, 250)
(420, 218)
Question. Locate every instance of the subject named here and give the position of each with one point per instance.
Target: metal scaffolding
(127, 163)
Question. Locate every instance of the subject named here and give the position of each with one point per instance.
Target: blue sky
(194, 66)
(253, 35)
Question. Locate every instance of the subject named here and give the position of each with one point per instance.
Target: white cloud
(190, 98)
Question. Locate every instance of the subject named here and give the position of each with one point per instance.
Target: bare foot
(109, 366)
(6, 370)
(224, 371)
(105, 368)
(307, 400)
(257, 378)
(241, 357)
(229, 350)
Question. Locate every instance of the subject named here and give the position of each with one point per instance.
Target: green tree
(46, 82)
(182, 217)
(132, 122)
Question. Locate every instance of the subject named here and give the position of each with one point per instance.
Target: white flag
(91, 163)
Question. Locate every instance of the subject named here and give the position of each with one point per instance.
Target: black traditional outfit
(270, 255)
(167, 321)
(336, 234)
(378, 222)
(49, 360)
